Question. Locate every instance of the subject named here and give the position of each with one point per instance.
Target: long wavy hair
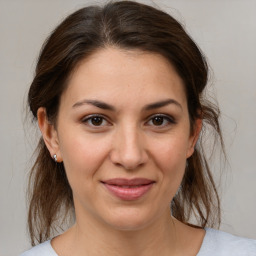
(126, 25)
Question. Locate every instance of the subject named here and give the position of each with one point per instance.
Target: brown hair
(127, 25)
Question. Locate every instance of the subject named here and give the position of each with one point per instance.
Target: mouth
(128, 189)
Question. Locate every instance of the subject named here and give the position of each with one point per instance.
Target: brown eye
(161, 121)
(97, 120)
(158, 120)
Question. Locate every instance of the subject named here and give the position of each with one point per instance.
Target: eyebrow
(96, 103)
(106, 106)
(162, 103)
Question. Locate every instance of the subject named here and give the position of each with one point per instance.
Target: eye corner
(161, 121)
(96, 121)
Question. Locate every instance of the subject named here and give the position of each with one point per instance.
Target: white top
(215, 243)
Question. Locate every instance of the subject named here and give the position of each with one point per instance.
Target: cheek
(82, 157)
(170, 157)
(171, 151)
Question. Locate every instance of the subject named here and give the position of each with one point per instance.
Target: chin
(129, 220)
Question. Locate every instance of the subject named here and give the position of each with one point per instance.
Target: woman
(118, 97)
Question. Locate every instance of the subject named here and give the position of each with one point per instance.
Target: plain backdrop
(226, 32)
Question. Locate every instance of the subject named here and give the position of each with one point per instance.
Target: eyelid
(171, 120)
(88, 117)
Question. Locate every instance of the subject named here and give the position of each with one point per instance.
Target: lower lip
(129, 194)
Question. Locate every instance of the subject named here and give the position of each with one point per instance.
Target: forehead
(112, 74)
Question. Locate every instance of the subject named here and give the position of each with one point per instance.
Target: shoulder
(221, 243)
(43, 249)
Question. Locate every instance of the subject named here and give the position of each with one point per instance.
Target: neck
(94, 238)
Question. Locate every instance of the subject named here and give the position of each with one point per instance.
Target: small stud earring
(55, 158)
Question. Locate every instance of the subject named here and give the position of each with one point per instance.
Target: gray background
(226, 32)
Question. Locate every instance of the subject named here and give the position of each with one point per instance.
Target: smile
(128, 190)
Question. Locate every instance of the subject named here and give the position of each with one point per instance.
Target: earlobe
(194, 137)
(49, 133)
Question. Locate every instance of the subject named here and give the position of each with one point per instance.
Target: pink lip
(126, 189)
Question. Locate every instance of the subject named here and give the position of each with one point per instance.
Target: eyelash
(170, 120)
(88, 119)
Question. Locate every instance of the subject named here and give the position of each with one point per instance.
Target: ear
(194, 137)
(49, 134)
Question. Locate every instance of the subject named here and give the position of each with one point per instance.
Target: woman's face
(123, 133)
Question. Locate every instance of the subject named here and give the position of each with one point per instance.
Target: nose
(128, 148)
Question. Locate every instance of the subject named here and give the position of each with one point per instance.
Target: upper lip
(128, 182)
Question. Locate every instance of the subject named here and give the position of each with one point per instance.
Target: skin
(126, 142)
